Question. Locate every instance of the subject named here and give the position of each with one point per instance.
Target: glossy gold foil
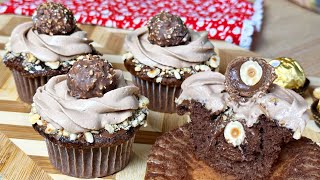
(290, 73)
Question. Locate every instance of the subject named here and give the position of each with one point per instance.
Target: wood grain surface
(15, 164)
(14, 113)
(290, 30)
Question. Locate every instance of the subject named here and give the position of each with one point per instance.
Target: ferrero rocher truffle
(166, 29)
(90, 77)
(53, 19)
(246, 76)
(290, 73)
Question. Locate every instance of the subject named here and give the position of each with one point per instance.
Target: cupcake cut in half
(45, 47)
(163, 54)
(241, 121)
(89, 118)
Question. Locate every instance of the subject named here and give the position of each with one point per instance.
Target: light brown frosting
(283, 105)
(56, 106)
(46, 47)
(200, 49)
(206, 88)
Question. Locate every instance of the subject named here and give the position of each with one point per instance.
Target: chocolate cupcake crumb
(53, 19)
(259, 152)
(90, 77)
(166, 29)
(246, 76)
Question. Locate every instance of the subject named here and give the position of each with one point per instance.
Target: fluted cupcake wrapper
(89, 162)
(27, 87)
(161, 97)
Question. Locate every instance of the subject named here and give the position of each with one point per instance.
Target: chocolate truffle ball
(290, 73)
(90, 77)
(53, 19)
(246, 76)
(166, 29)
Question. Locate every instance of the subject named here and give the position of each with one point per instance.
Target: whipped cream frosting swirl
(200, 49)
(285, 106)
(55, 105)
(49, 48)
(206, 88)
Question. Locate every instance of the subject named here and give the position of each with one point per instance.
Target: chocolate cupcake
(162, 55)
(89, 118)
(290, 74)
(45, 47)
(241, 121)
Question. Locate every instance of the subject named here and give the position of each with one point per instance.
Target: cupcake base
(27, 86)
(108, 154)
(161, 97)
(89, 162)
(172, 157)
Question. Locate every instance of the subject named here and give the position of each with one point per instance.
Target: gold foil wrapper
(289, 71)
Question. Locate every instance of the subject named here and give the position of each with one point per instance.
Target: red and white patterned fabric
(234, 21)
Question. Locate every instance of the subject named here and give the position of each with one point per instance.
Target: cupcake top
(167, 43)
(51, 40)
(245, 93)
(49, 48)
(91, 97)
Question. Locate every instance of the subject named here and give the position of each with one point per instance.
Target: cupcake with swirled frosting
(163, 54)
(45, 47)
(90, 116)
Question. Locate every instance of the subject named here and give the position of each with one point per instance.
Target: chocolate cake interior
(253, 159)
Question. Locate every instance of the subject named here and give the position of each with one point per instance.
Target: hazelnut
(109, 128)
(89, 137)
(250, 72)
(53, 64)
(153, 73)
(316, 92)
(143, 101)
(34, 118)
(234, 133)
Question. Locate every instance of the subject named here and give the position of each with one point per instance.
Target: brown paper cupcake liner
(27, 87)
(89, 162)
(162, 98)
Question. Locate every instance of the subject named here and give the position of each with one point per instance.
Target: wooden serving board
(14, 113)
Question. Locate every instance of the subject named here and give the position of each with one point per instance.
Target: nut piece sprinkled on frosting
(248, 76)
(53, 19)
(91, 76)
(166, 29)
